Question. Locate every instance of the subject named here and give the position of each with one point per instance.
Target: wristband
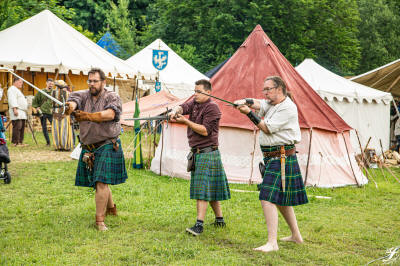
(249, 101)
(254, 118)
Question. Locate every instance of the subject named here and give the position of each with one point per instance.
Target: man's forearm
(263, 127)
(199, 129)
(107, 115)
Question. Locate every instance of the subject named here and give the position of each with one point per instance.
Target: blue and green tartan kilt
(271, 186)
(109, 167)
(208, 181)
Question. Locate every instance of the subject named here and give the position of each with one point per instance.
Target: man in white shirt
(17, 107)
(282, 185)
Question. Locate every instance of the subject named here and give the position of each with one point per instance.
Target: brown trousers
(18, 131)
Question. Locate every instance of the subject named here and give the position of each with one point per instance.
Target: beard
(94, 91)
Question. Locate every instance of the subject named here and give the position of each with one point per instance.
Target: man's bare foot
(297, 240)
(267, 248)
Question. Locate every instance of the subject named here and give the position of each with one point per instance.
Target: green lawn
(46, 220)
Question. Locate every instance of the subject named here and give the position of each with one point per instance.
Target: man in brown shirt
(102, 160)
(208, 182)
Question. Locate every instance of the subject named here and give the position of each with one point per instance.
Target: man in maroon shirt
(208, 182)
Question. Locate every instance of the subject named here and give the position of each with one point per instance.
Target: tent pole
(114, 85)
(162, 144)
(154, 137)
(395, 107)
(69, 80)
(55, 78)
(387, 168)
(252, 155)
(33, 80)
(135, 89)
(308, 158)
(149, 140)
(362, 155)
(384, 157)
(348, 155)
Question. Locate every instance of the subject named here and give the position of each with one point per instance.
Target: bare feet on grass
(267, 247)
(295, 239)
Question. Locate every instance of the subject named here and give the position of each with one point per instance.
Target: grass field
(46, 220)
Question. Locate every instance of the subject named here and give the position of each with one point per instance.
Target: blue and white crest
(160, 59)
(158, 86)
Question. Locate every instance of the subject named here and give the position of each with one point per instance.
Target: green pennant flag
(137, 154)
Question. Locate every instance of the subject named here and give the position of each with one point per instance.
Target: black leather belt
(205, 149)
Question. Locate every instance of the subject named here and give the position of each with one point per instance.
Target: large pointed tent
(325, 155)
(365, 109)
(177, 76)
(45, 46)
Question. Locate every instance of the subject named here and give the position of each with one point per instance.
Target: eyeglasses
(93, 81)
(268, 89)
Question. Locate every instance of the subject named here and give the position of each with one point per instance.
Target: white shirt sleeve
(12, 98)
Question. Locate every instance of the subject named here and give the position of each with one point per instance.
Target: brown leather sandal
(100, 225)
(112, 211)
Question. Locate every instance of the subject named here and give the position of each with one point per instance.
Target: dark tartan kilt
(208, 182)
(109, 167)
(271, 187)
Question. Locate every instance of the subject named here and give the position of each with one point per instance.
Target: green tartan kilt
(271, 186)
(208, 181)
(109, 167)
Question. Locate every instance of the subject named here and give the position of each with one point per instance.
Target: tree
(321, 29)
(379, 33)
(89, 14)
(15, 11)
(123, 27)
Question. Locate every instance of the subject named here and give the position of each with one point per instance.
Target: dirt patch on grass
(43, 154)
(18, 155)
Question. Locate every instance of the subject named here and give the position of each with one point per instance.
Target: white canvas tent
(46, 42)
(178, 77)
(365, 109)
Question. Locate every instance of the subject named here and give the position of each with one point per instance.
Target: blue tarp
(214, 71)
(109, 44)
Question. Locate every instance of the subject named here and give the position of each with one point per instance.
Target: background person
(43, 107)
(61, 128)
(17, 107)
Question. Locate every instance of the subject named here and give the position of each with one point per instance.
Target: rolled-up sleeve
(187, 107)
(211, 118)
(114, 102)
(77, 97)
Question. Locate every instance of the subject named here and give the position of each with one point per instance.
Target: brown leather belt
(205, 149)
(278, 153)
(96, 145)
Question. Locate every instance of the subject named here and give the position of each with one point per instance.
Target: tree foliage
(346, 36)
(124, 28)
(379, 33)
